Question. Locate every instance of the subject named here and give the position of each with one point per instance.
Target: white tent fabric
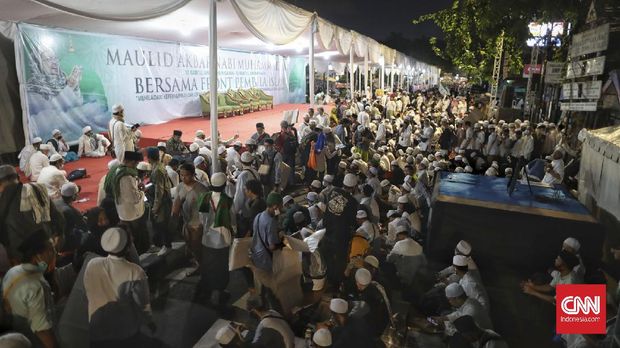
(118, 10)
(273, 21)
(600, 165)
(326, 32)
(361, 48)
(344, 40)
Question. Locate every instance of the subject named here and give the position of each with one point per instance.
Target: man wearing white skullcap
(375, 296)
(113, 279)
(101, 192)
(407, 256)
(53, 176)
(120, 135)
(366, 227)
(322, 338)
(218, 221)
(571, 245)
(469, 281)
(463, 305)
(91, 144)
(64, 204)
(200, 169)
(38, 161)
(240, 199)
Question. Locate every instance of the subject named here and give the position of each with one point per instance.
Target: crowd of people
(365, 173)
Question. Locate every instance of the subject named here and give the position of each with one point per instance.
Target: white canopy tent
(600, 168)
(268, 26)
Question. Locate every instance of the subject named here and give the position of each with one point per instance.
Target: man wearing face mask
(27, 294)
(60, 146)
(219, 220)
(266, 240)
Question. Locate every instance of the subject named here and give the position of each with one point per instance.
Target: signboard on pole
(590, 41)
(578, 106)
(582, 90)
(553, 72)
(531, 69)
(588, 67)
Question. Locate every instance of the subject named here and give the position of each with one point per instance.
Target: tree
(472, 28)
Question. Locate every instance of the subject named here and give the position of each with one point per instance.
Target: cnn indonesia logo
(580, 309)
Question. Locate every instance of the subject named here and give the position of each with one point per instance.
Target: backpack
(77, 174)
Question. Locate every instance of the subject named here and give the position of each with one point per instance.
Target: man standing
(240, 199)
(174, 145)
(265, 241)
(218, 223)
(129, 198)
(161, 202)
(118, 294)
(120, 134)
(260, 134)
(271, 162)
(286, 143)
(91, 144)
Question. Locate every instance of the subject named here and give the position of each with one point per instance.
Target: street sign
(582, 90)
(553, 72)
(578, 106)
(531, 69)
(590, 41)
(588, 67)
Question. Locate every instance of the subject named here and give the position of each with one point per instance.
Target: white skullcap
(458, 158)
(237, 143)
(342, 164)
(361, 214)
(138, 133)
(55, 131)
(69, 189)
(225, 335)
(114, 240)
(468, 169)
(322, 206)
(55, 157)
(208, 144)
(313, 122)
(495, 165)
(328, 179)
(391, 213)
(373, 171)
(459, 260)
(221, 150)
(218, 179)
(298, 217)
(312, 196)
(246, 157)
(490, 172)
(37, 140)
(459, 170)
(573, 243)
(200, 132)
(454, 290)
(43, 147)
(113, 163)
(363, 276)
(250, 141)
(327, 130)
(194, 147)
(385, 183)
(315, 184)
(161, 144)
(322, 338)
(198, 160)
(338, 305)
(508, 171)
(286, 199)
(371, 260)
(403, 199)
(144, 166)
(116, 108)
(14, 340)
(200, 143)
(431, 158)
(350, 180)
(464, 247)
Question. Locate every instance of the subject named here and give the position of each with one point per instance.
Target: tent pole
(351, 72)
(382, 74)
(215, 164)
(311, 62)
(365, 73)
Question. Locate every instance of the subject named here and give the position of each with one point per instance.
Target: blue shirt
(265, 236)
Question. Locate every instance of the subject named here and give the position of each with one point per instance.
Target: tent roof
(605, 141)
(185, 21)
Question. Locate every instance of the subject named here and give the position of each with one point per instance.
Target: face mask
(42, 266)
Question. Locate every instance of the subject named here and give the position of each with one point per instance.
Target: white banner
(553, 72)
(590, 41)
(582, 90)
(71, 79)
(578, 106)
(588, 67)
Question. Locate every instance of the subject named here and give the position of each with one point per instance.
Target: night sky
(378, 18)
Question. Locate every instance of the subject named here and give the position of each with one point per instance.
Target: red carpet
(151, 134)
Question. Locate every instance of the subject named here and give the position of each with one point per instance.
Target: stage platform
(244, 125)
